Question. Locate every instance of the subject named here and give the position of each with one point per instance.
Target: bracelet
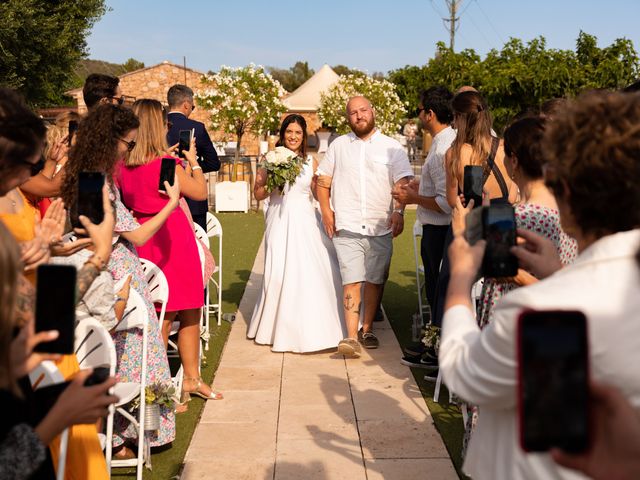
(197, 167)
(399, 210)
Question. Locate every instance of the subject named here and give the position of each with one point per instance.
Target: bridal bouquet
(283, 166)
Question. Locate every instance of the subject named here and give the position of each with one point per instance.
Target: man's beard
(364, 130)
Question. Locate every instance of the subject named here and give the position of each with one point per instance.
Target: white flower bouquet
(283, 166)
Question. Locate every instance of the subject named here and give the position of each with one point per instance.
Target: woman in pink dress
(173, 247)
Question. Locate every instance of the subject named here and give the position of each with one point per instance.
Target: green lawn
(400, 303)
(241, 238)
(242, 235)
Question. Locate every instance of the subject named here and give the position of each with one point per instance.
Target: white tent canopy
(306, 98)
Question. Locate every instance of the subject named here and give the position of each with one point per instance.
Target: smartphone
(56, 306)
(499, 230)
(473, 178)
(184, 141)
(89, 199)
(98, 376)
(167, 173)
(73, 128)
(553, 381)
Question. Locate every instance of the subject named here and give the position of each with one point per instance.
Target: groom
(356, 177)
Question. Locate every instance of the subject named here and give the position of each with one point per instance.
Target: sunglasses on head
(119, 100)
(130, 145)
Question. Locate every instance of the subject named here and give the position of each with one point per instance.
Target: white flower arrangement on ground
(283, 166)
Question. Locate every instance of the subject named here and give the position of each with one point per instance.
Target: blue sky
(373, 35)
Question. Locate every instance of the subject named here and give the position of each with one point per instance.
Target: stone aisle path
(314, 416)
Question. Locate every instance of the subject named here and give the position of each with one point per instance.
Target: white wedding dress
(299, 308)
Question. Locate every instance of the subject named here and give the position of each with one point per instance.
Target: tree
(294, 77)
(342, 70)
(132, 64)
(381, 93)
(242, 100)
(41, 41)
(521, 76)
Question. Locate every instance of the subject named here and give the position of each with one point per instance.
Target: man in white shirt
(430, 194)
(356, 177)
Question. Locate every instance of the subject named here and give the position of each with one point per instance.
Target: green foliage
(294, 77)
(41, 41)
(242, 100)
(132, 65)
(381, 93)
(521, 76)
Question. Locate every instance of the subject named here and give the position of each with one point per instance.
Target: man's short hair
(178, 94)
(98, 86)
(438, 100)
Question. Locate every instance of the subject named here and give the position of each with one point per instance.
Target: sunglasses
(119, 100)
(34, 168)
(130, 145)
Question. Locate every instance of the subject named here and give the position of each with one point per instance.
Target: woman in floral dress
(536, 211)
(105, 136)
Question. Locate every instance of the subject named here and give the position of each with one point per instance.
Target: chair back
(201, 235)
(214, 228)
(45, 374)
(94, 346)
(158, 285)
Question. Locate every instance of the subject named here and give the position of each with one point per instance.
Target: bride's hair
(299, 119)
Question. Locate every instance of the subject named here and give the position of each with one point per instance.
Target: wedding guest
(138, 179)
(181, 106)
(592, 148)
(356, 176)
(104, 138)
(296, 312)
(100, 89)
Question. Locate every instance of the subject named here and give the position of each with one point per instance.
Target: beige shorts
(363, 258)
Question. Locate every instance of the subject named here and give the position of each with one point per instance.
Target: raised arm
(192, 182)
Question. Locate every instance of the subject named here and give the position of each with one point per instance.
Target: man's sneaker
(379, 315)
(349, 347)
(368, 339)
(425, 361)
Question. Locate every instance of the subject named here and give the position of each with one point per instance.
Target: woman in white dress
(299, 308)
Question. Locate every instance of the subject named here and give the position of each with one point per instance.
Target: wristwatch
(399, 210)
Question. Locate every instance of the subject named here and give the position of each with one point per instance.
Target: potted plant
(156, 395)
(240, 101)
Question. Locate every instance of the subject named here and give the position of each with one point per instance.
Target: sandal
(198, 381)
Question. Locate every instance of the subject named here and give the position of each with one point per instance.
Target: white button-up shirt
(433, 180)
(363, 173)
(481, 366)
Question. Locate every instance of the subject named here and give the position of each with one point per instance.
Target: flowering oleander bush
(241, 100)
(389, 109)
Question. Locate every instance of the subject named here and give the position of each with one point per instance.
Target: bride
(299, 308)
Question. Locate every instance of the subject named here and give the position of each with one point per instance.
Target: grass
(400, 303)
(242, 235)
(241, 239)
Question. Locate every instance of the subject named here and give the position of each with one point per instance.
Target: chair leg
(62, 457)
(436, 393)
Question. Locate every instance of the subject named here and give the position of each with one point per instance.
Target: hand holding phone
(98, 376)
(167, 173)
(499, 230)
(184, 141)
(553, 381)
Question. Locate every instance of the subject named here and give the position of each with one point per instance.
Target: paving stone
(400, 438)
(410, 469)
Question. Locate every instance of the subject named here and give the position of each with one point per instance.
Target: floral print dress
(541, 220)
(124, 261)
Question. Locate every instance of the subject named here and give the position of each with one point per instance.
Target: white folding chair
(159, 289)
(423, 305)
(44, 375)
(204, 319)
(95, 348)
(214, 229)
(476, 292)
